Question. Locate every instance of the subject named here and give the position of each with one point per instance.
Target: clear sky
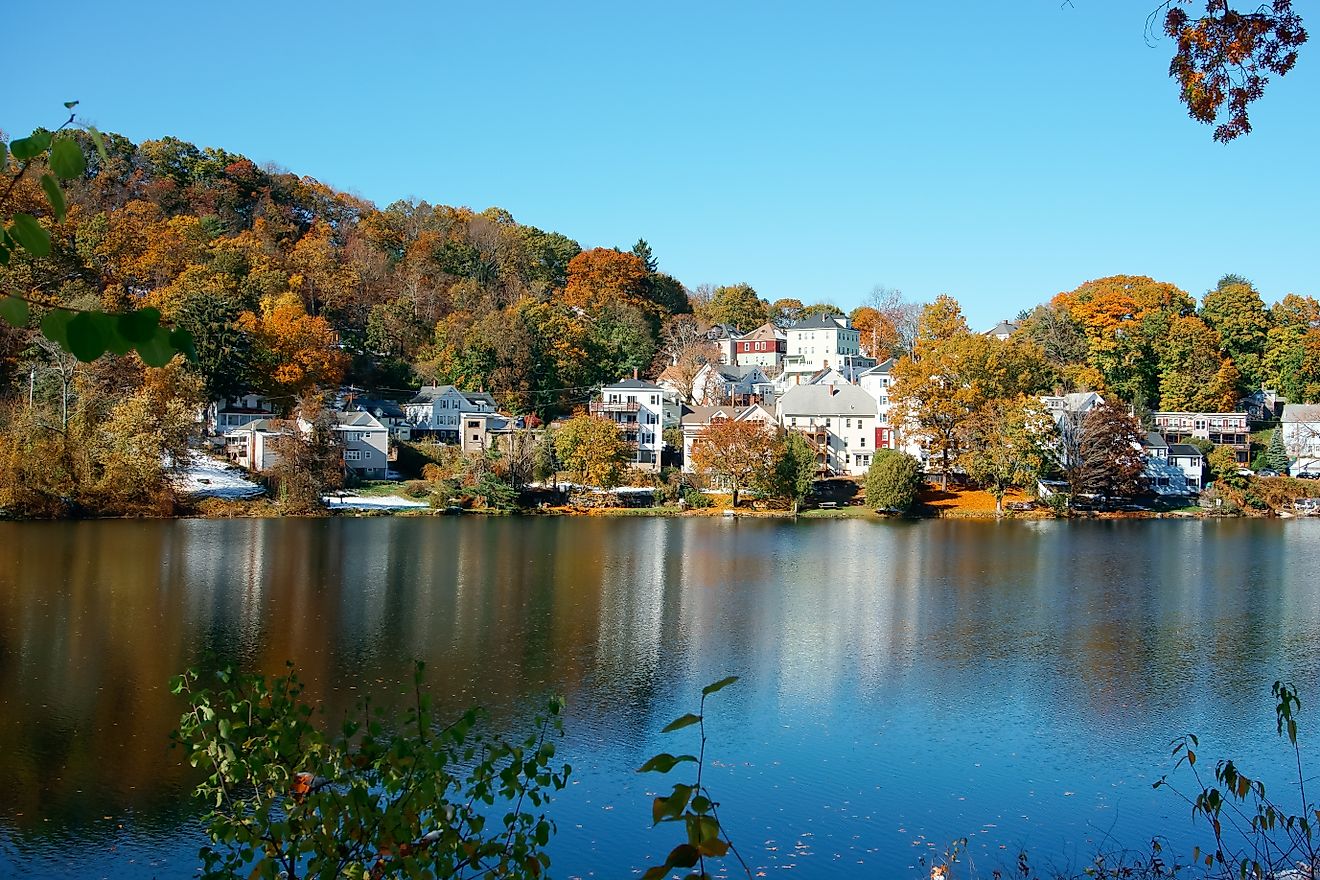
(999, 152)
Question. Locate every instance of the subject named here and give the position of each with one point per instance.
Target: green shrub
(697, 499)
(893, 481)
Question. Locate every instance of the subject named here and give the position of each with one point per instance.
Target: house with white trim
(438, 410)
(696, 419)
(642, 410)
(839, 420)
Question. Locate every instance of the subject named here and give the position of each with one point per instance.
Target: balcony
(599, 407)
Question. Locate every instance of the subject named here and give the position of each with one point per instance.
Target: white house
(1191, 462)
(1162, 476)
(725, 337)
(820, 341)
(719, 382)
(439, 410)
(1220, 428)
(696, 419)
(365, 441)
(878, 382)
(1300, 425)
(483, 431)
(840, 420)
(641, 409)
(252, 445)
(236, 411)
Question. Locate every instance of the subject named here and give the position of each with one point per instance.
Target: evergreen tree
(1277, 454)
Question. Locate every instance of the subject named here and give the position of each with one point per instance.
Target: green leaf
(85, 337)
(4, 155)
(69, 105)
(157, 352)
(182, 341)
(664, 762)
(682, 721)
(701, 804)
(100, 144)
(683, 856)
(31, 235)
(66, 158)
(718, 686)
(658, 872)
(139, 326)
(54, 195)
(114, 340)
(55, 326)
(14, 310)
(30, 147)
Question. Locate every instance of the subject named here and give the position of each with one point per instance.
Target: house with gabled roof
(765, 346)
(715, 383)
(839, 421)
(437, 410)
(696, 419)
(1002, 331)
(642, 410)
(1300, 425)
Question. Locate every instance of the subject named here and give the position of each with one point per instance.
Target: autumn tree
(736, 305)
(1236, 312)
(787, 310)
(603, 276)
(1102, 456)
(593, 450)
(1225, 57)
(735, 455)
(1291, 363)
(941, 320)
(684, 350)
(877, 334)
(303, 347)
(1194, 376)
(309, 459)
(1006, 445)
(819, 309)
(901, 314)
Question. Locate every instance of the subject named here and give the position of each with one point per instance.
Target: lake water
(903, 684)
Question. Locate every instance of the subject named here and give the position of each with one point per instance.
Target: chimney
(834, 389)
(634, 372)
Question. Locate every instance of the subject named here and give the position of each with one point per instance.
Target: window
(848, 423)
(472, 424)
(863, 443)
(792, 421)
(352, 455)
(827, 422)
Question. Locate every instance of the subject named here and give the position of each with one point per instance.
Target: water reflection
(904, 684)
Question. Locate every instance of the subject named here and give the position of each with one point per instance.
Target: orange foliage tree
(304, 349)
(602, 276)
(736, 455)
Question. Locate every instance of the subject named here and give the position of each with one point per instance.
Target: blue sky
(999, 152)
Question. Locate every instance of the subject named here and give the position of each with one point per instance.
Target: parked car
(1267, 473)
(1308, 475)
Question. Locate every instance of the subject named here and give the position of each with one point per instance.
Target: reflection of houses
(1301, 437)
(437, 410)
(641, 410)
(239, 410)
(1162, 476)
(839, 420)
(696, 419)
(1221, 429)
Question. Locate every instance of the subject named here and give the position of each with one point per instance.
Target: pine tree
(1277, 454)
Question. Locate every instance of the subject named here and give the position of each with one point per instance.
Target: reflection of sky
(903, 685)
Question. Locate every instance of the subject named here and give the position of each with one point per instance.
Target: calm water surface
(903, 684)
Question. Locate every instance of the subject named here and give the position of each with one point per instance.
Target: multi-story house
(238, 410)
(1162, 476)
(253, 444)
(1300, 425)
(437, 410)
(839, 420)
(1191, 462)
(1221, 429)
(765, 346)
(642, 410)
(719, 383)
(387, 412)
(821, 341)
(364, 440)
(879, 382)
(725, 337)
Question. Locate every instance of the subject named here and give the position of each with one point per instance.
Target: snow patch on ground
(373, 502)
(206, 477)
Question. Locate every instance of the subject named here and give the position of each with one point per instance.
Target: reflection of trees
(1071, 623)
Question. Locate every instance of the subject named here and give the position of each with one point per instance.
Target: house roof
(358, 419)
(827, 400)
(701, 415)
(1002, 328)
(767, 330)
(428, 393)
(827, 375)
(823, 322)
(1155, 441)
(633, 385)
(735, 372)
(1184, 449)
(881, 369)
(386, 408)
(478, 397)
(1301, 412)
